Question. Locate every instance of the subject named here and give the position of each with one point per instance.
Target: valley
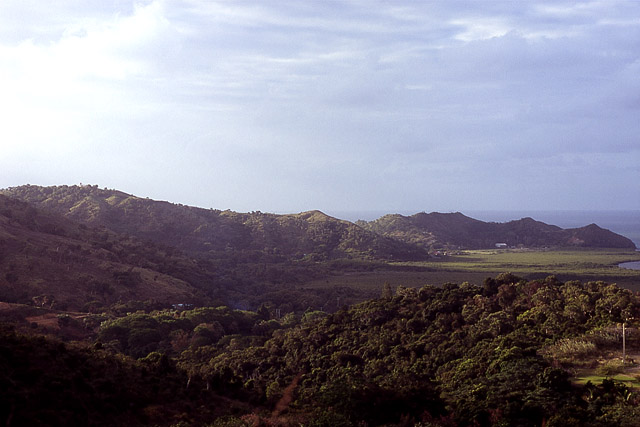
(118, 310)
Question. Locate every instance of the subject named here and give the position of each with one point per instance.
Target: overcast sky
(286, 106)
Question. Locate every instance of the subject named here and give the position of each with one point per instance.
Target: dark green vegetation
(44, 382)
(500, 354)
(127, 311)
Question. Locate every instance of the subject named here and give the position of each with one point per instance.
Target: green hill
(210, 232)
(459, 231)
(118, 249)
(457, 355)
(49, 260)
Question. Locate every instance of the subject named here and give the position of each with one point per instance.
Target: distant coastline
(626, 223)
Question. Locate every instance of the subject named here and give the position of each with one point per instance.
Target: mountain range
(458, 230)
(82, 246)
(209, 231)
(205, 231)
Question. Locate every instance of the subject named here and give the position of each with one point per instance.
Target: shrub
(570, 349)
(610, 369)
(606, 337)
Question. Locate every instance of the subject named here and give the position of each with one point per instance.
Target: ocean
(626, 223)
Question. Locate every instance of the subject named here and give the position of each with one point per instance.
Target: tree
(386, 293)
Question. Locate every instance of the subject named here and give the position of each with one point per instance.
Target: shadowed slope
(63, 263)
(207, 231)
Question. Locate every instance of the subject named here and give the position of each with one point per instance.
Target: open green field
(629, 380)
(630, 374)
(474, 266)
(595, 262)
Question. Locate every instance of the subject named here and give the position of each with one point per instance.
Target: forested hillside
(456, 355)
(500, 354)
(308, 235)
(51, 261)
(214, 233)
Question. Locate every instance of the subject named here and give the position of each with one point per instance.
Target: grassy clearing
(629, 380)
(611, 369)
(574, 261)
(567, 264)
(475, 266)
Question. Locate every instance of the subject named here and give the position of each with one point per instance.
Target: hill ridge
(457, 230)
(203, 231)
(390, 237)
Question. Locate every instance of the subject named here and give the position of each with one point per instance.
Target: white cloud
(480, 28)
(53, 90)
(333, 94)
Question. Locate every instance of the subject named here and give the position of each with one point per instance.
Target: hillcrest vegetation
(511, 352)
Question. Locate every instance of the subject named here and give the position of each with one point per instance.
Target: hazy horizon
(336, 105)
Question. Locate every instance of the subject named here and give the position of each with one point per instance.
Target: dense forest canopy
(500, 354)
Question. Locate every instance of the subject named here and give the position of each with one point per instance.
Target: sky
(352, 105)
